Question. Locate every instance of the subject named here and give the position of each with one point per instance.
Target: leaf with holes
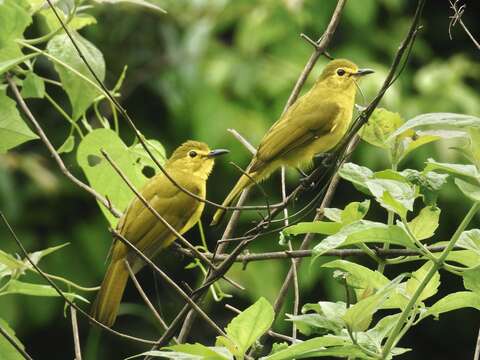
(80, 92)
(101, 175)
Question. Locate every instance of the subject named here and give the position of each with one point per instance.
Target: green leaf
(429, 183)
(364, 231)
(355, 211)
(357, 175)
(80, 92)
(438, 121)
(423, 226)
(78, 22)
(199, 350)
(455, 301)
(38, 255)
(333, 214)
(381, 124)
(101, 175)
(9, 264)
(471, 279)
(155, 147)
(33, 86)
(358, 276)
(328, 318)
(14, 19)
(8, 351)
(416, 279)
(315, 227)
(249, 325)
(143, 3)
(13, 130)
(393, 195)
(308, 347)
(24, 288)
(359, 316)
(409, 144)
(468, 171)
(472, 191)
(67, 146)
(11, 63)
(470, 240)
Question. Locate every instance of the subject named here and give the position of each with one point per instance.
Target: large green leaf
(397, 196)
(455, 301)
(438, 121)
(472, 191)
(247, 327)
(423, 226)
(468, 171)
(33, 86)
(7, 350)
(359, 316)
(381, 124)
(144, 3)
(80, 92)
(24, 288)
(14, 19)
(417, 278)
(13, 130)
(327, 318)
(470, 240)
(471, 279)
(101, 175)
(364, 231)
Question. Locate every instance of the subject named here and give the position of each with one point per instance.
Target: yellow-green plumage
(145, 231)
(314, 124)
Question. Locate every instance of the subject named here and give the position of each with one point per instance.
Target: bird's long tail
(105, 307)
(241, 184)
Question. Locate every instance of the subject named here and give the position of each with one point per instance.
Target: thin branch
(76, 337)
(12, 341)
(54, 153)
(476, 356)
(243, 141)
(170, 282)
(295, 254)
(457, 17)
(60, 292)
(146, 299)
(132, 125)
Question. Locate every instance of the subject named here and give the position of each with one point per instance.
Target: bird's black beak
(362, 72)
(217, 152)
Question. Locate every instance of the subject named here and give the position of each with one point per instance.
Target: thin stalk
(64, 114)
(394, 337)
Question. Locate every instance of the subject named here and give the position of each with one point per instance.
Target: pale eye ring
(340, 72)
(192, 154)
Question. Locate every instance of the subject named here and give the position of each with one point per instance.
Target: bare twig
(243, 141)
(76, 337)
(60, 292)
(145, 297)
(54, 153)
(476, 356)
(457, 17)
(170, 282)
(295, 254)
(17, 346)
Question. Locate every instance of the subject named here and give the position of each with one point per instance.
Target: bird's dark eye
(340, 72)
(192, 154)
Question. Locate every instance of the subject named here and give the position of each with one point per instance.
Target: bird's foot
(327, 159)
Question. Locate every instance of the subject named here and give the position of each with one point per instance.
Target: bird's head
(194, 158)
(341, 74)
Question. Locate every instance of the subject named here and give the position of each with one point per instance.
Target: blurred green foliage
(206, 66)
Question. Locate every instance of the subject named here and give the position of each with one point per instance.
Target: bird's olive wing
(143, 229)
(296, 129)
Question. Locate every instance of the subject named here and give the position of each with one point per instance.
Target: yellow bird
(190, 165)
(314, 124)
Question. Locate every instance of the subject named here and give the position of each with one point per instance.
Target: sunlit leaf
(471, 279)
(249, 325)
(33, 86)
(469, 171)
(364, 231)
(381, 124)
(470, 240)
(24, 288)
(67, 146)
(454, 301)
(144, 3)
(7, 350)
(80, 92)
(13, 130)
(359, 315)
(472, 191)
(418, 277)
(423, 226)
(14, 19)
